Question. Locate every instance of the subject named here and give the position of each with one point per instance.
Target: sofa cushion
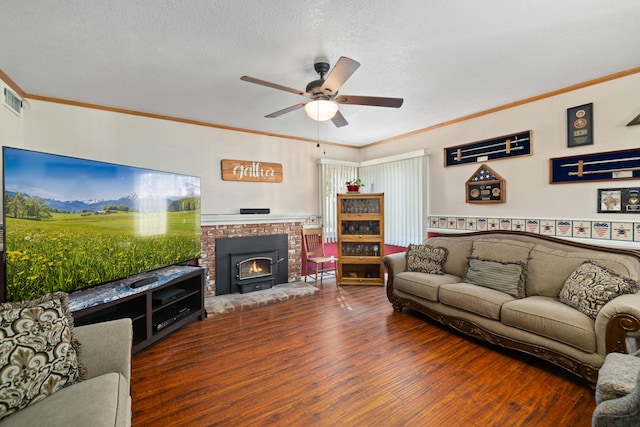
(38, 351)
(476, 299)
(548, 268)
(507, 277)
(426, 258)
(459, 250)
(423, 285)
(550, 318)
(591, 286)
(100, 401)
(503, 250)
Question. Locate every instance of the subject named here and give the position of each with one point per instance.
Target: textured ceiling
(184, 59)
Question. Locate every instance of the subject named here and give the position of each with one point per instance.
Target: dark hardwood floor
(344, 358)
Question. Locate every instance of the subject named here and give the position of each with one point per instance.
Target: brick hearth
(214, 229)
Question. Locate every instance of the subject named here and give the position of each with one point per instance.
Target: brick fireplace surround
(230, 226)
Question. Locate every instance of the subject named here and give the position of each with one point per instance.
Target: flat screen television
(72, 223)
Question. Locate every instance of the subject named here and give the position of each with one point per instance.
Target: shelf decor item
(353, 186)
(580, 125)
(361, 239)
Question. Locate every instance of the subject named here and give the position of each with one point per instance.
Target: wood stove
(247, 264)
(251, 268)
(253, 271)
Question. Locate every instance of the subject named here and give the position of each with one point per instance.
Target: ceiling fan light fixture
(321, 109)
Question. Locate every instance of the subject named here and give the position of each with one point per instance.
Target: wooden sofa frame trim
(617, 328)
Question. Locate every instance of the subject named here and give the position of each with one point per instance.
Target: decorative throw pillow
(502, 250)
(507, 277)
(426, 258)
(38, 352)
(591, 286)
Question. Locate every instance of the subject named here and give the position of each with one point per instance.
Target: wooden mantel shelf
(229, 219)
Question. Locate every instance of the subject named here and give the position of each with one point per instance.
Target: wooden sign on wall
(251, 171)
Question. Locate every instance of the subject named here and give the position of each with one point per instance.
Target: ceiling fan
(323, 93)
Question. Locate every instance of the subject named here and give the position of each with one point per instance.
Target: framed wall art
(605, 166)
(485, 186)
(619, 200)
(502, 147)
(580, 125)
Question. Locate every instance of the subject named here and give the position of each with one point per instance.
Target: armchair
(618, 391)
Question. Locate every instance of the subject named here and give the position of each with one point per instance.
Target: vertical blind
(403, 185)
(332, 178)
(403, 182)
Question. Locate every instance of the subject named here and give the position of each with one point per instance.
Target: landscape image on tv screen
(72, 223)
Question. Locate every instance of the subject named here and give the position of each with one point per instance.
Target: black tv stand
(144, 281)
(174, 297)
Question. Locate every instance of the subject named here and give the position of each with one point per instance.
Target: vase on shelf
(353, 188)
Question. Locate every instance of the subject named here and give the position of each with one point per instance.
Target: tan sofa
(537, 323)
(104, 398)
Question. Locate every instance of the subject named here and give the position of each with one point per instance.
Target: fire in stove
(255, 268)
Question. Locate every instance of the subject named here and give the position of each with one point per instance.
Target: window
(402, 179)
(404, 184)
(333, 175)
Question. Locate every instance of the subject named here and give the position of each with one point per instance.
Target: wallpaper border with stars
(599, 230)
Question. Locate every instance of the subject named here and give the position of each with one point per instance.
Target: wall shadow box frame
(502, 147)
(580, 125)
(485, 186)
(605, 166)
(619, 200)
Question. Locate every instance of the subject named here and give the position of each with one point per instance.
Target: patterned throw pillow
(426, 259)
(38, 352)
(507, 277)
(591, 286)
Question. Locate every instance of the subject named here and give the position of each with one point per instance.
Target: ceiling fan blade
(273, 85)
(343, 69)
(339, 120)
(375, 101)
(286, 110)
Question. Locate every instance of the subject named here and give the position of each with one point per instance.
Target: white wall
(184, 148)
(197, 150)
(529, 193)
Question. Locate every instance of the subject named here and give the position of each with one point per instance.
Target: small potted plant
(354, 185)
